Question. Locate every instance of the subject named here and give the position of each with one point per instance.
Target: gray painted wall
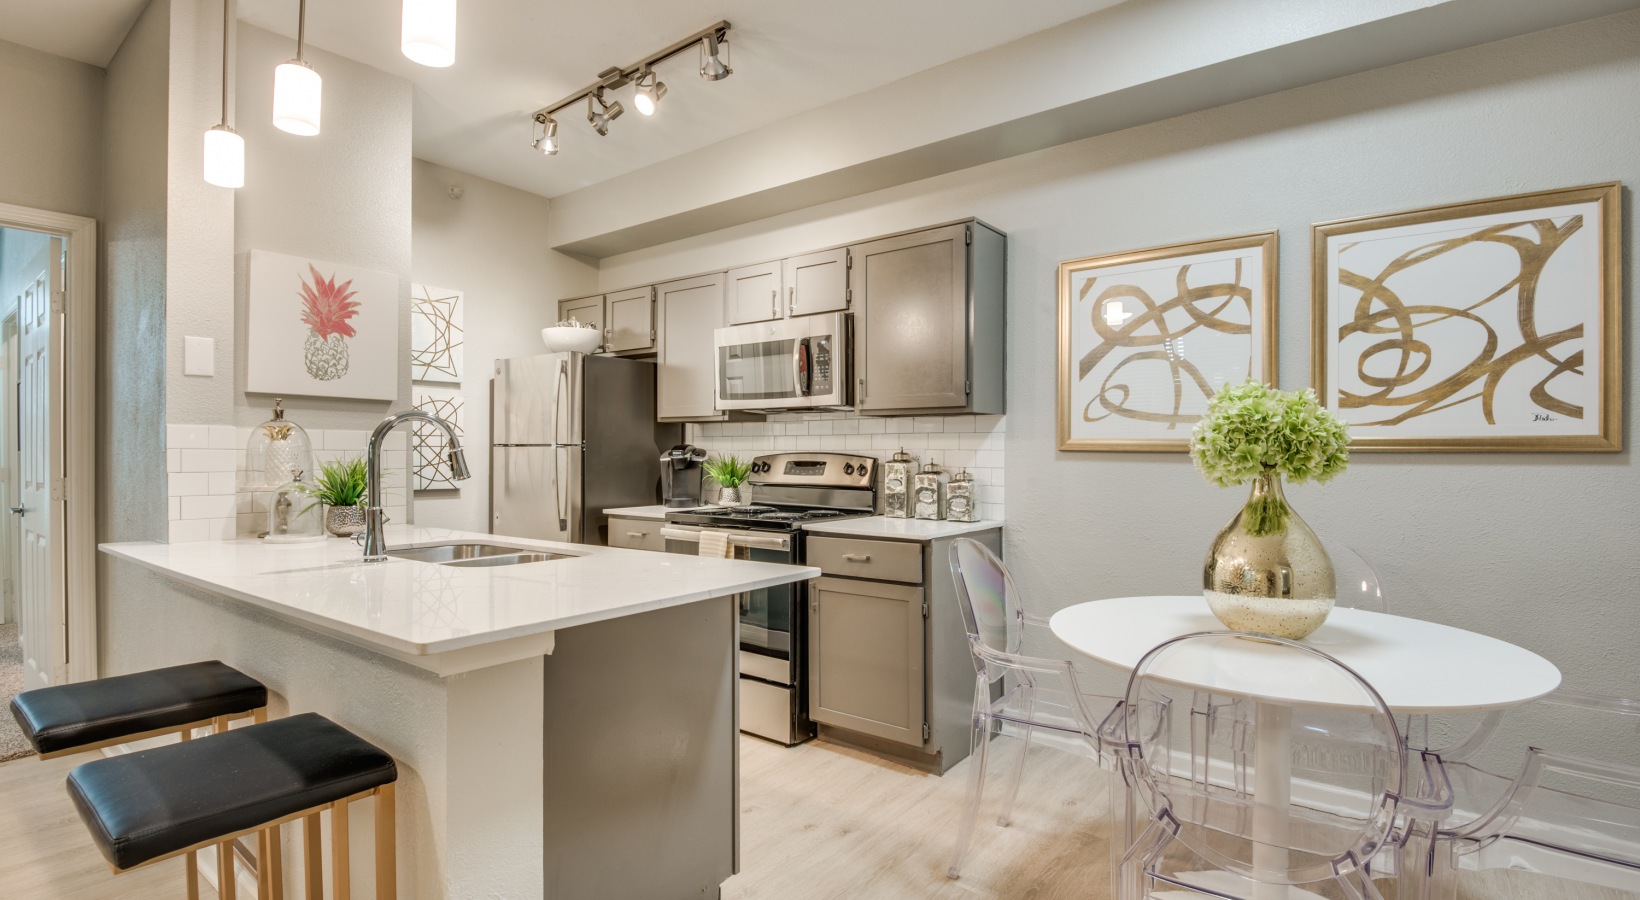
(492, 244)
(51, 145)
(1535, 549)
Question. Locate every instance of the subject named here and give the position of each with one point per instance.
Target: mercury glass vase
(344, 521)
(1267, 572)
(729, 496)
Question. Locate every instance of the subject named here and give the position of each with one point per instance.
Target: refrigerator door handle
(560, 394)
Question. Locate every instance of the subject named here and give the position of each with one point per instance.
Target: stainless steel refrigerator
(571, 436)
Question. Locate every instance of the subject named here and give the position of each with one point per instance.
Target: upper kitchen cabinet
(689, 310)
(752, 293)
(587, 311)
(817, 282)
(631, 327)
(930, 328)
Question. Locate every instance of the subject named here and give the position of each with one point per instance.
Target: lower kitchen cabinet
(636, 534)
(866, 657)
(890, 671)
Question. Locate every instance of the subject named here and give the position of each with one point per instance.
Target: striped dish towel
(714, 544)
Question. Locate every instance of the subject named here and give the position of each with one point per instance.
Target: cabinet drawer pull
(636, 534)
(857, 557)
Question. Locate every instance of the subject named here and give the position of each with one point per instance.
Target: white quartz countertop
(416, 610)
(911, 529)
(653, 513)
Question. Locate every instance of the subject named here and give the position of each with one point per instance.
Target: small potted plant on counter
(341, 488)
(730, 472)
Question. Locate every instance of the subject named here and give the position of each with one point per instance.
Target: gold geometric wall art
(1493, 325)
(436, 334)
(429, 447)
(1147, 337)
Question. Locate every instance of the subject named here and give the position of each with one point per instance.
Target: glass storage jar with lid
(295, 515)
(277, 448)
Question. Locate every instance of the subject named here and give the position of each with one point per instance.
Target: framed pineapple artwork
(321, 329)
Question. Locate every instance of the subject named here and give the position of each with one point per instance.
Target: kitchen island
(564, 728)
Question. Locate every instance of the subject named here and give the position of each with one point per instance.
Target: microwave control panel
(820, 373)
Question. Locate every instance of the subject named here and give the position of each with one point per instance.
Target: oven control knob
(862, 470)
(765, 466)
(848, 468)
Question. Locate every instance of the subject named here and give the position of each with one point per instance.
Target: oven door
(767, 614)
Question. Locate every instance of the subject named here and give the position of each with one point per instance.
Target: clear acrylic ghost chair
(1324, 799)
(1524, 803)
(1038, 693)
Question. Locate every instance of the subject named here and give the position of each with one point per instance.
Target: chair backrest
(1287, 717)
(1358, 584)
(991, 609)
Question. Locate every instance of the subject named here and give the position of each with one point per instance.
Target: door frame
(79, 343)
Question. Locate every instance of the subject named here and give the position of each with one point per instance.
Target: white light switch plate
(199, 356)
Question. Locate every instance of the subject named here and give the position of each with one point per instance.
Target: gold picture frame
(1464, 327)
(1228, 311)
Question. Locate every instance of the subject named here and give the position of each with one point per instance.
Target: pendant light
(297, 89)
(649, 91)
(429, 35)
(224, 148)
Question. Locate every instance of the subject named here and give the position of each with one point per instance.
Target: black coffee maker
(681, 476)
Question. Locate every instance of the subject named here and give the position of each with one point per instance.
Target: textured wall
(1535, 549)
(51, 145)
(493, 245)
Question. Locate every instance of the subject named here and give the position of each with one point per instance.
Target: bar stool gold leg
(387, 861)
(191, 863)
(340, 867)
(226, 886)
(313, 856)
(276, 864)
(264, 874)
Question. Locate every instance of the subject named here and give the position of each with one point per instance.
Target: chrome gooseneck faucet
(375, 521)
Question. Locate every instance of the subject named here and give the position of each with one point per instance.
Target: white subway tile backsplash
(188, 437)
(188, 484)
(942, 442)
(224, 482)
(209, 460)
(897, 425)
(225, 437)
(207, 507)
(873, 426)
(928, 423)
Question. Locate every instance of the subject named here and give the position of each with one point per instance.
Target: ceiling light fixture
(648, 89)
(711, 67)
(605, 114)
(429, 35)
(546, 136)
(297, 89)
(224, 148)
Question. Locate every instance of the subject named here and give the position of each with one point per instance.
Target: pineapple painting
(326, 309)
(325, 329)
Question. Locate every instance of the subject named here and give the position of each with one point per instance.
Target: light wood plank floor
(817, 821)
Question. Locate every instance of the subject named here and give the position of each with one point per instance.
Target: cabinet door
(752, 293)
(911, 321)
(817, 282)
(631, 321)
(587, 311)
(866, 657)
(690, 310)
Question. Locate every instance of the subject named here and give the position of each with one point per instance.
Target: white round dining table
(1417, 667)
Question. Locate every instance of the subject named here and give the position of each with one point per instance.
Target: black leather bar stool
(157, 804)
(73, 718)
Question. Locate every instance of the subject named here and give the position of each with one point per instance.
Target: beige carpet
(12, 745)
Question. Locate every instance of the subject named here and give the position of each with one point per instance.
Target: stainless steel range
(788, 491)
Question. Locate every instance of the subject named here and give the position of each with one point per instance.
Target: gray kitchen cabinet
(930, 326)
(752, 294)
(636, 534)
(631, 315)
(866, 657)
(587, 311)
(817, 282)
(688, 310)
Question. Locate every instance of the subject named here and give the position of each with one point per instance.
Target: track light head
(712, 67)
(650, 89)
(546, 135)
(604, 114)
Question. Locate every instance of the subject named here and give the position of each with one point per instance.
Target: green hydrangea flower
(1250, 428)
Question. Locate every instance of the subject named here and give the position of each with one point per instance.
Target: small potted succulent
(341, 488)
(730, 472)
(1267, 571)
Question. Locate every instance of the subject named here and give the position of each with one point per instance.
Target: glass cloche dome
(276, 449)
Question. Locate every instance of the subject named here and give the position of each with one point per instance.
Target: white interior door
(42, 603)
(8, 464)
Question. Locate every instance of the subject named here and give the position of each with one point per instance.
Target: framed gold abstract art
(1146, 337)
(1490, 326)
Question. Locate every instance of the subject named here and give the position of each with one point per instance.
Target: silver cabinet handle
(857, 557)
(791, 300)
(19, 510)
(774, 302)
(636, 534)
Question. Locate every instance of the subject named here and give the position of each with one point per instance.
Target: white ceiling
(516, 56)
(87, 30)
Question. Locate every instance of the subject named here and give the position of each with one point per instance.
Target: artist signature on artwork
(1543, 417)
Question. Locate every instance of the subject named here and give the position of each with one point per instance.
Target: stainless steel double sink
(475, 554)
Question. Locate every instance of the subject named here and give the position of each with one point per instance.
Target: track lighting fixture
(605, 114)
(297, 89)
(648, 89)
(429, 35)
(546, 135)
(224, 148)
(711, 67)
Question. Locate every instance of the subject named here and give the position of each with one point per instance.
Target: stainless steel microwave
(797, 363)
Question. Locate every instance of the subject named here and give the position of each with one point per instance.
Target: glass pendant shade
(297, 91)
(429, 35)
(224, 157)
